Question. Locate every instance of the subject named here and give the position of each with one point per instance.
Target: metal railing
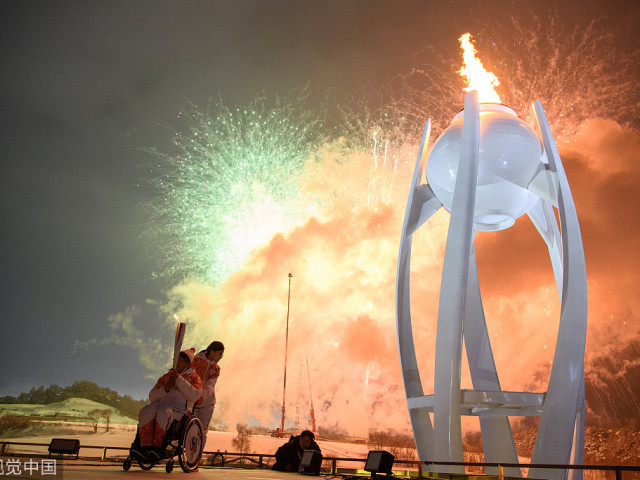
(618, 469)
(422, 468)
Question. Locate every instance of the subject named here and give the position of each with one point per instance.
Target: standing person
(206, 365)
(172, 396)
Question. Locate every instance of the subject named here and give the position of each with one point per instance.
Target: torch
(177, 346)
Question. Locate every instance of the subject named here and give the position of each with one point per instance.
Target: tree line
(82, 389)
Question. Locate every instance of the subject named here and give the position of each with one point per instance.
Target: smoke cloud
(126, 332)
(341, 315)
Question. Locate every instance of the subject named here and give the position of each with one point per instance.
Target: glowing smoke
(335, 224)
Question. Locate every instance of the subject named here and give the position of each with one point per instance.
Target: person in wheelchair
(172, 396)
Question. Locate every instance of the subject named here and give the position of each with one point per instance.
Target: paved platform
(83, 470)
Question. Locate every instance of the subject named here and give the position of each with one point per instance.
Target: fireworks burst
(387, 139)
(234, 180)
(578, 72)
(231, 184)
(240, 176)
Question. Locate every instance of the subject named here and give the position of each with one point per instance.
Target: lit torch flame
(475, 74)
(175, 317)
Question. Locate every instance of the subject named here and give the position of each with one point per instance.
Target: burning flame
(175, 317)
(475, 74)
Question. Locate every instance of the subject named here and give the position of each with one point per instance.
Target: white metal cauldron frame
(560, 438)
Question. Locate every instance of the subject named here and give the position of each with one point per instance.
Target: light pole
(311, 412)
(286, 346)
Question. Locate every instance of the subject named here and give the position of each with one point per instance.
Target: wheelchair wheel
(127, 464)
(192, 444)
(145, 465)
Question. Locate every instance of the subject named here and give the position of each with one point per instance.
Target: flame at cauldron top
(475, 74)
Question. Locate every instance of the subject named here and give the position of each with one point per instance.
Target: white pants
(204, 414)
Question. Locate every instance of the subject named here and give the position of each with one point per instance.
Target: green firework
(229, 186)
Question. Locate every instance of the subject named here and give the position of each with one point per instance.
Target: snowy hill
(70, 410)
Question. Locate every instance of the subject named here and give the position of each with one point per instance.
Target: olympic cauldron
(487, 169)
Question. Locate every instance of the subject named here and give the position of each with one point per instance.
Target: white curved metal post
(421, 204)
(497, 438)
(555, 439)
(543, 218)
(446, 407)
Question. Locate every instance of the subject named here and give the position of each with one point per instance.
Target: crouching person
(172, 396)
(289, 455)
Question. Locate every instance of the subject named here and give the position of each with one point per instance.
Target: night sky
(85, 86)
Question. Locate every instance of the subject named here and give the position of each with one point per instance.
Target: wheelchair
(184, 439)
